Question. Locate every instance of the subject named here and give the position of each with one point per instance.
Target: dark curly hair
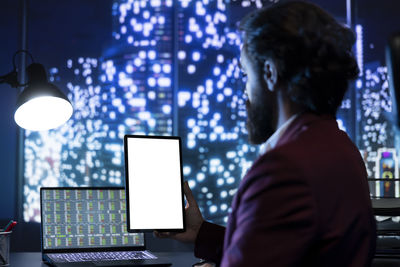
(313, 52)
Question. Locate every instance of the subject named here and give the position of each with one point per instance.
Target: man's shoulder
(278, 166)
(314, 148)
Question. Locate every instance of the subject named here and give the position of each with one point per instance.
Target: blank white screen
(155, 192)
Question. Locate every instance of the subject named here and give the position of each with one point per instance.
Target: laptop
(87, 226)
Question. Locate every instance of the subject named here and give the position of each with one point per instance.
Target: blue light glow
(181, 55)
(191, 69)
(196, 56)
(131, 92)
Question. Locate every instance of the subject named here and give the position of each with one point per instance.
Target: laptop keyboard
(101, 256)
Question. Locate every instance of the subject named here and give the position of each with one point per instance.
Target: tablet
(154, 183)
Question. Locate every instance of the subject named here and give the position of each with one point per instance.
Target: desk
(386, 206)
(179, 259)
(34, 259)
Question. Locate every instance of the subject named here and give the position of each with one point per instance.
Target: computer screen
(85, 218)
(153, 170)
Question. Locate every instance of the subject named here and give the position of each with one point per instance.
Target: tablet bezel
(179, 230)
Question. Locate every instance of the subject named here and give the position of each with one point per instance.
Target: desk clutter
(4, 248)
(5, 234)
(387, 214)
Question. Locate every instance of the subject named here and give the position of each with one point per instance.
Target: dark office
(200, 133)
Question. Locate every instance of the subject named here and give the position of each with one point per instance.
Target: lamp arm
(12, 79)
(19, 52)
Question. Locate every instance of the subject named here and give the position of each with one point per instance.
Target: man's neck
(285, 110)
(274, 139)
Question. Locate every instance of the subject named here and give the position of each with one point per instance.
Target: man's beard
(259, 122)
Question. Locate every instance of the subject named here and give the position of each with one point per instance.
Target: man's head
(297, 51)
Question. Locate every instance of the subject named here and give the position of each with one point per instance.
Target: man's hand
(205, 264)
(193, 218)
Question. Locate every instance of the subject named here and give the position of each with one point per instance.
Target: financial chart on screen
(171, 68)
(86, 218)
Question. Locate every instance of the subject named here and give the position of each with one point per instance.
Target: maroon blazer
(304, 203)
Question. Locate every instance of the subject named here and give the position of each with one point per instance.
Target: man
(305, 201)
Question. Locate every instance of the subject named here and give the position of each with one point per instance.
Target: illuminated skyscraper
(171, 68)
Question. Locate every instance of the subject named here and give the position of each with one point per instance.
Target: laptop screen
(85, 218)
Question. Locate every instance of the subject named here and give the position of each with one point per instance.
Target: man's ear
(270, 74)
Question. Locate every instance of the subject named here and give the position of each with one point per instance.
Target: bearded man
(305, 201)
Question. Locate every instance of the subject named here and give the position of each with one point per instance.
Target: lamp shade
(41, 106)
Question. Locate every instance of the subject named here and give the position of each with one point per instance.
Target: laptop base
(153, 262)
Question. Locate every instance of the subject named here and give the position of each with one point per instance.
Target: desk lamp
(41, 105)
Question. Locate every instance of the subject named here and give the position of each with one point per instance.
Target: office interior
(165, 67)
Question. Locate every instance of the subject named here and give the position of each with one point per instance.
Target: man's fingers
(166, 235)
(188, 193)
(162, 234)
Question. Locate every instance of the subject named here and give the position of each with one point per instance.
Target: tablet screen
(154, 183)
